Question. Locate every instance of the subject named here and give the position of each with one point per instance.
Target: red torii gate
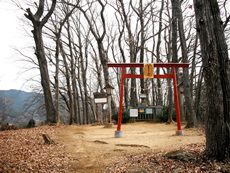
(173, 66)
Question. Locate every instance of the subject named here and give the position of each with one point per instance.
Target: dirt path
(94, 147)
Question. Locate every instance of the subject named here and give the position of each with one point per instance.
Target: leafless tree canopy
(74, 41)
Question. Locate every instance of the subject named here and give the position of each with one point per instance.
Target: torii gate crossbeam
(173, 66)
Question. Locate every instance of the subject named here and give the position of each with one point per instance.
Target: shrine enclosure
(149, 73)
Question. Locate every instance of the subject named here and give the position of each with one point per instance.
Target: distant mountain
(17, 98)
(19, 106)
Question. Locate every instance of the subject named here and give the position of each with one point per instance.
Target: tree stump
(47, 139)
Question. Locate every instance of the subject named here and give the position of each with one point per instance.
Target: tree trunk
(68, 83)
(169, 82)
(189, 112)
(126, 95)
(159, 100)
(193, 71)
(174, 32)
(38, 23)
(56, 77)
(224, 72)
(174, 45)
(132, 54)
(58, 25)
(198, 97)
(44, 73)
(72, 75)
(216, 66)
(153, 85)
(86, 102)
(170, 101)
(142, 31)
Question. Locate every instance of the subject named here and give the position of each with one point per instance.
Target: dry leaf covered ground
(24, 151)
(89, 149)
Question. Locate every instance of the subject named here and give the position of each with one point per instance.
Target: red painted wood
(121, 99)
(141, 76)
(166, 65)
(176, 100)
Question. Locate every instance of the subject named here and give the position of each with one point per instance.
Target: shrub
(164, 116)
(125, 117)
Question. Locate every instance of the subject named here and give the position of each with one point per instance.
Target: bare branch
(30, 15)
(226, 22)
(40, 10)
(51, 10)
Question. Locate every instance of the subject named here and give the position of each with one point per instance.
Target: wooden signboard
(100, 100)
(148, 70)
(148, 111)
(141, 110)
(100, 97)
(133, 112)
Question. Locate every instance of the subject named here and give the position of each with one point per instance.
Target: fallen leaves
(176, 163)
(24, 151)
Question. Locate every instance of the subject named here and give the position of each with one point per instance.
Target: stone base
(108, 125)
(118, 134)
(179, 133)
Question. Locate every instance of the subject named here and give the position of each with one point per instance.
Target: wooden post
(121, 99)
(176, 100)
(118, 133)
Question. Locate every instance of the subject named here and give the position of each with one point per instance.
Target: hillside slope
(18, 107)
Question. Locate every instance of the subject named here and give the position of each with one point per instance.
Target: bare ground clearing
(93, 148)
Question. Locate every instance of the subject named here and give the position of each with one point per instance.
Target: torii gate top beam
(165, 65)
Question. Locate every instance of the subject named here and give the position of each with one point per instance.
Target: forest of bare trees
(74, 41)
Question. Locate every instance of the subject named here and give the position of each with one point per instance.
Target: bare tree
(98, 37)
(168, 43)
(159, 88)
(38, 23)
(121, 29)
(132, 51)
(58, 25)
(187, 94)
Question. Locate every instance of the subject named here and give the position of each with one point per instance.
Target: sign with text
(148, 70)
(141, 110)
(100, 100)
(133, 112)
(100, 97)
(149, 111)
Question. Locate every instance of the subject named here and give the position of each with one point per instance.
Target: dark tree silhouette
(216, 75)
(38, 23)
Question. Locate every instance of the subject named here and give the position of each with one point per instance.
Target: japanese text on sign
(148, 70)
